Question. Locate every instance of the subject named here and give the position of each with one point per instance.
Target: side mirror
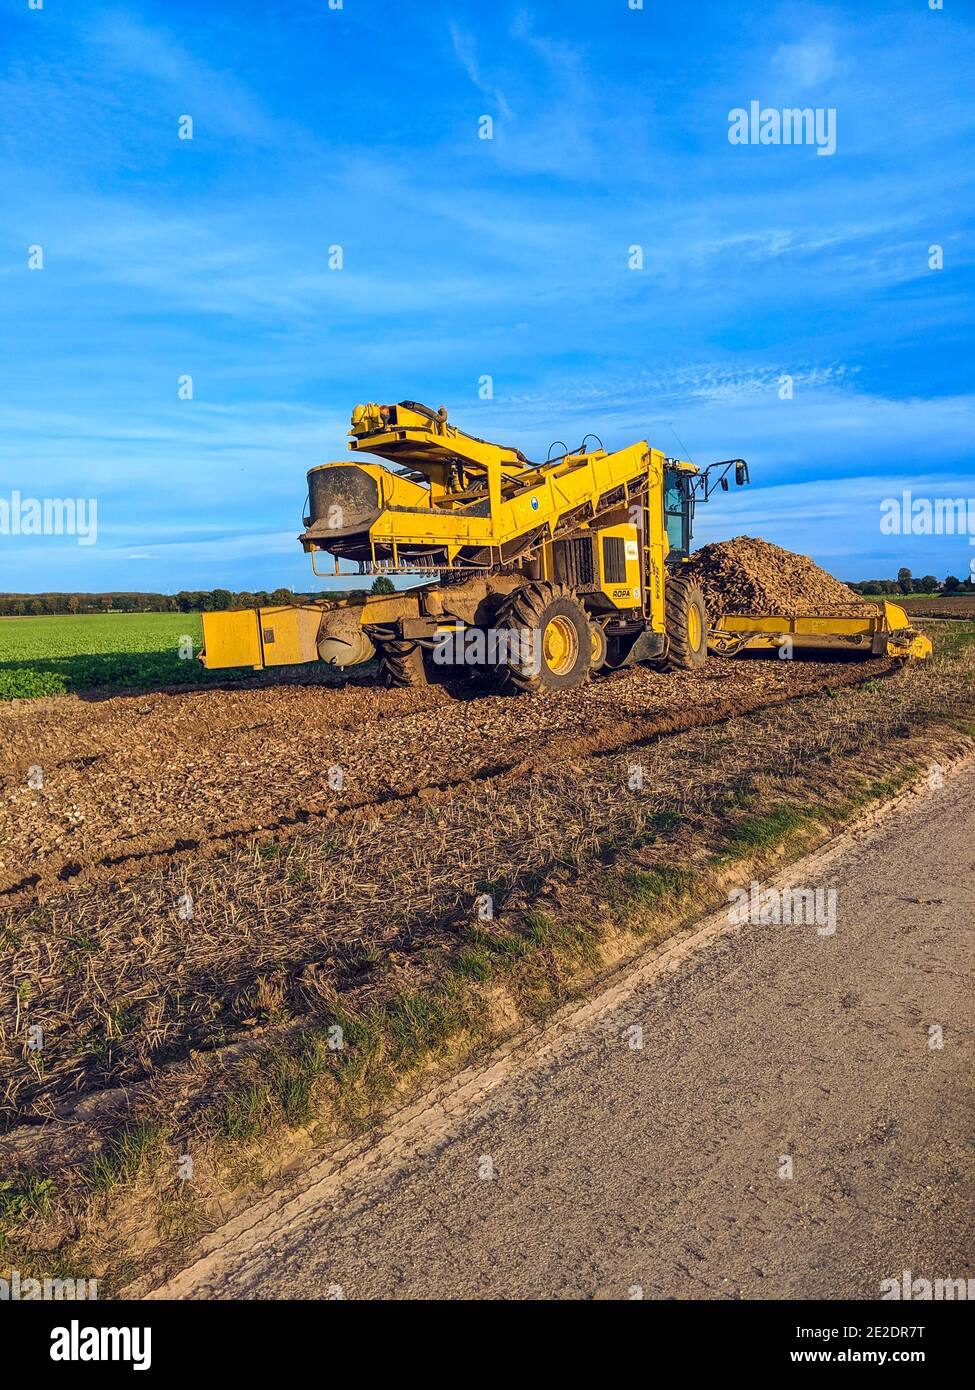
(724, 484)
(741, 472)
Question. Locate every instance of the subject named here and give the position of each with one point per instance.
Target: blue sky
(466, 257)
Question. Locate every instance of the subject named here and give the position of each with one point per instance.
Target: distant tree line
(907, 583)
(221, 600)
(186, 601)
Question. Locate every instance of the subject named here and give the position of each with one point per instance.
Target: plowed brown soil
(749, 576)
(127, 781)
(951, 606)
(372, 904)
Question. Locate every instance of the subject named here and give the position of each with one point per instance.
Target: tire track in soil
(605, 740)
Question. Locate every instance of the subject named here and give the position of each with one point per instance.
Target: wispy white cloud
(465, 50)
(807, 63)
(550, 126)
(220, 103)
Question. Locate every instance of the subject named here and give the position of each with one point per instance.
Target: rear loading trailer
(536, 575)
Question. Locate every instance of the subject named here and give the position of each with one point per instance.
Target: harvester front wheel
(401, 664)
(549, 642)
(686, 620)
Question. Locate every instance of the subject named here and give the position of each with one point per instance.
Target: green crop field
(48, 656)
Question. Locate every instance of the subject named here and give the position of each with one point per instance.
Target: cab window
(675, 515)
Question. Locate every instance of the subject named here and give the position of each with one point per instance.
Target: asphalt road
(615, 1171)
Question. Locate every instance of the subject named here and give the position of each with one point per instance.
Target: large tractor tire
(401, 664)
(551, 646)
(686, 621)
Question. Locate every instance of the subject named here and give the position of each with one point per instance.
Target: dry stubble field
(596, 822)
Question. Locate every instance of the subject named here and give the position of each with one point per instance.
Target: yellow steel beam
(887, 628)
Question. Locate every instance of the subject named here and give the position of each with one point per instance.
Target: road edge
(410, 1130)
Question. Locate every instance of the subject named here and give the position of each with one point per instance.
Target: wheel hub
(560, 645)
(694, 632)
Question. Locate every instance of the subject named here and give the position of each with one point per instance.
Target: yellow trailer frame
(888, 633)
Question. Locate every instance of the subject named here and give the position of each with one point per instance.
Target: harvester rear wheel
(600, 646)
(550, 645)
(401, 664)
(686, 621)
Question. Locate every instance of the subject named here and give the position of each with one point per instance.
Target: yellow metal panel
(387, 608)
(289, 635)
(812, 625)
(896, 616)
(629, 593)
(231, 639)
(655, 540)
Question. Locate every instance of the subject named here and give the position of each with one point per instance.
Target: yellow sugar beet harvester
(539, 573)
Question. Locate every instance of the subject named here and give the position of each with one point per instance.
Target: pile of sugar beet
(750, 576)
